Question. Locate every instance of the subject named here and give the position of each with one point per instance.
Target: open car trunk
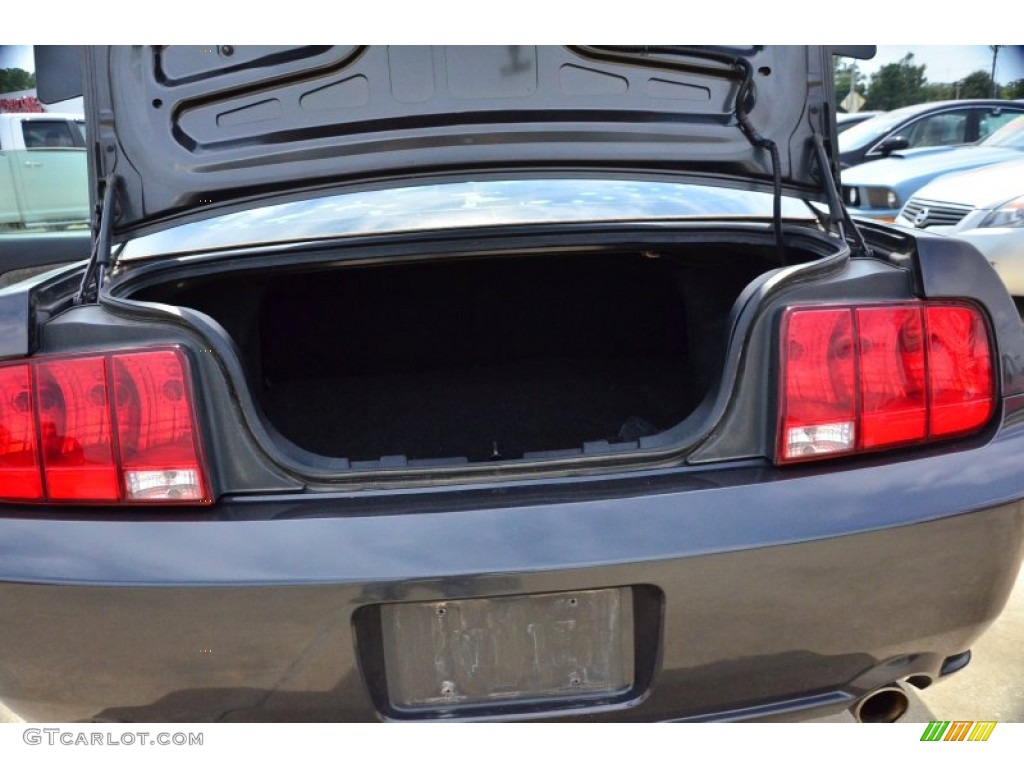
(482, 358)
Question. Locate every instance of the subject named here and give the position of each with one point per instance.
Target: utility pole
(995, 55)
(853, 86)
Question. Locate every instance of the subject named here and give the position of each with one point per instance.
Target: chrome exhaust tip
(883, 705)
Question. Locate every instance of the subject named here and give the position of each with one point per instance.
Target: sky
(949, 63)
(17, 56)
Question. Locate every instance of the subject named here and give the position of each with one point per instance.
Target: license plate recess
(502, 650)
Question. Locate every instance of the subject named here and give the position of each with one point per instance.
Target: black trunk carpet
(480, 413)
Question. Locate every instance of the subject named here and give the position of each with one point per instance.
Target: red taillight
(113, 427)
(864, 378)
(74, 430)
(820, 382)
(19, 456)
(892, 376)
(155, 427)
(959, 370)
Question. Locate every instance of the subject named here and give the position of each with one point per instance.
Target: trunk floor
(519, 407)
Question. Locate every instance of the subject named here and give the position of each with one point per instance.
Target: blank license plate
(499, 650)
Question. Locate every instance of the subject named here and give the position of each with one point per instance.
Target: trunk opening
(520, 356)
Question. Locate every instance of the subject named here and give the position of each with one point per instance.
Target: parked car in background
(878, 190)
(846, 120)
(494, 382)
(985, 207)
(43, 178)
(934, 124)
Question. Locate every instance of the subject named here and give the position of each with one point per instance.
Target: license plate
(456, 653)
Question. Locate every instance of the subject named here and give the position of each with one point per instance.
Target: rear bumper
(775, 593)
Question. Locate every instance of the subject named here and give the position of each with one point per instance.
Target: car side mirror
(892, 144)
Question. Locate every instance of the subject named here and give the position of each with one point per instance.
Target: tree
(1014, 90)
(897, 85)
(15, 79)
(977, 85)
(939, 91)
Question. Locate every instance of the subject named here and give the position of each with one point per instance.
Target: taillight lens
(893, 399)
(819, 383)
(115, 427)
(19, 453)
(865, 378)
(959, 370)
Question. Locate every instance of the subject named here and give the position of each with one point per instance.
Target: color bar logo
(958, 730)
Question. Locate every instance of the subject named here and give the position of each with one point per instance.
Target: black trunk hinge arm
(761, 142)
(838, 215)
(738, 70)
(99, 258)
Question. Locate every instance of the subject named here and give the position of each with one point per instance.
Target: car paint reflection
(460, 205)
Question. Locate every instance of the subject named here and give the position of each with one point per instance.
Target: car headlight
(882, 197)
(1010, 214)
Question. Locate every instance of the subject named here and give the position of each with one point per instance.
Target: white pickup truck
(43, 174)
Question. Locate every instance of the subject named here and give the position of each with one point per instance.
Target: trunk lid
(192, 131)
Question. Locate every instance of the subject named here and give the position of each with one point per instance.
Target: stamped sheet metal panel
(458, 653)
(194, 131)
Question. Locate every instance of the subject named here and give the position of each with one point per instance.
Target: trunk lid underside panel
(189, 130)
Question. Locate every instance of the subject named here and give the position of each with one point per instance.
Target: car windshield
(461, 205)
(1010, 135)
(871, 130)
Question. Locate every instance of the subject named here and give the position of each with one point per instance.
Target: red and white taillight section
(864, 378)
(115, 427)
